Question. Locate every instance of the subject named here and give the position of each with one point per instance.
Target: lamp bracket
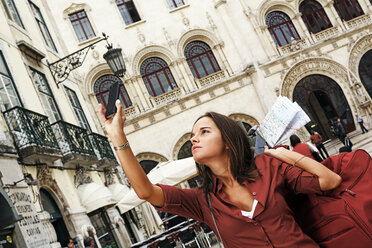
(62, 68)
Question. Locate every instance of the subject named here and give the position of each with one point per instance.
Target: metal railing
(30, 128)
(72, 139)
(101, 146)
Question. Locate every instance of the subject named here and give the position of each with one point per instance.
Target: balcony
(33, 135)
(74, 144)
(359, 21)
(103, 151)
(210, 79)
(166, 97)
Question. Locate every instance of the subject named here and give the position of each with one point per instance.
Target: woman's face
(207, 143)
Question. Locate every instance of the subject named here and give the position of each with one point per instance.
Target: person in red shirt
(247, 194)
(299, 147)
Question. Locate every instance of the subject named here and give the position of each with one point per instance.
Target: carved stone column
(132, 92)
(330, 5)
(173, 66)
(268, 39)
(185, 75)
(222, 57)
(82, 177)
(142, 91)
(298, 20)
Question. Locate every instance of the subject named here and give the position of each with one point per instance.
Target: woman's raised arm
(327, 179)
(141, 184)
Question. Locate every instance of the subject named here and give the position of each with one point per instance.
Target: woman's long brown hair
(242, 164)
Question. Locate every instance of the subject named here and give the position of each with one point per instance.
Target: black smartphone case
(113, 96)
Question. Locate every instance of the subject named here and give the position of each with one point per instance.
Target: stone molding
(151, 156)
(180, 142)
(268, 6)
(311, 66)
(151, 51)
(195, 34)
(245, 118)
(74, 7)
(359, 48)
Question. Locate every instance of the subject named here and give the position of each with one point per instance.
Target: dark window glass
(128, 11)
(82, 27)
(46, 96)
(101, 223)
(348, 9)
(200, 59)
(314, 16)
(281, 28)
(12, 12)
(75, 103)
(365, 71)
(175, 3)
(8, 94)
(157, 76)
(102, 88)
(148, 165)
(43, 27)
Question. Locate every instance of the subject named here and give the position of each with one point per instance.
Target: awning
(94, 196)
(118, 191)
(170, 173)
(8, 214)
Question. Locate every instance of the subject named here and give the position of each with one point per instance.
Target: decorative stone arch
(193, 35)
(151, 51)
(323, 3)
(361, 46)
(47, 182)
(180, 142)
(322, 66)
(92, 76)
(151, 156)
(75, 7)
(269, 6)
(245, 118)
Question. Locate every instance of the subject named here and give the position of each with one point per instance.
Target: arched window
(185, 150)
(128, 11)
(157, 76)
(281, 28)
(201, 59)
(148, 165)
(314, 16)
(102, 88)
(348, 9)
(365, 71)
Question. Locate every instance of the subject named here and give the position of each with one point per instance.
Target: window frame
(208, 53)
(78, 110)
(338, 3)
(175, 4)
(124, 5)
(46, 96)
(164, 69)
(101, 94)
(12, 85)
(15, 11)
(288, 23)
(81, 25)
(319, 10)
(43, 27)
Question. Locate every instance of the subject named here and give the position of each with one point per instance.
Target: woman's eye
(205, 131)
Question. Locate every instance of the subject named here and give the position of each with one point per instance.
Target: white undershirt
(250, 213)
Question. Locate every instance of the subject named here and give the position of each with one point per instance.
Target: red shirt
(273, 224)
(304, 149)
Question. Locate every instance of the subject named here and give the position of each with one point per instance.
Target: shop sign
(30, 226)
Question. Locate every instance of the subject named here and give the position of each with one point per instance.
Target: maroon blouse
(273, 224)
(304, 149)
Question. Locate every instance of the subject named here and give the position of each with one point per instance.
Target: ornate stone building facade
(184, 58)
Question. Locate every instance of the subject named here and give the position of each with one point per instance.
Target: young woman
(248, 196)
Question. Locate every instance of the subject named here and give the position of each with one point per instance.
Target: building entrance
(323, 100)
(56, 218)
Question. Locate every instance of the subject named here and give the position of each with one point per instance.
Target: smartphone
(113, 96)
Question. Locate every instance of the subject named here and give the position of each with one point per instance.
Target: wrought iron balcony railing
(30, 128)
(72, 139)
(101, 146)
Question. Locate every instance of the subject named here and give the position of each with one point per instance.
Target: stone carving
(151, 156)
(312, 66)
(185, 20)
(170, 42)
(141, 36)
(81, 177)
(110, 177)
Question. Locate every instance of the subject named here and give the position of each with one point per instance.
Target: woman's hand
(279, 153)
(114, 125)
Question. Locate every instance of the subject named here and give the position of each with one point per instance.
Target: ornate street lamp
(62, 68)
